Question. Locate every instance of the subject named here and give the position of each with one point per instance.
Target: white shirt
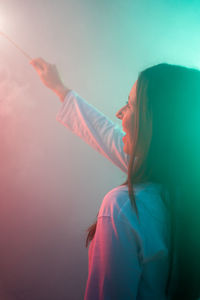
(127, 259)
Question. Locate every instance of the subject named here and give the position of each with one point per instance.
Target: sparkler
(20, 49)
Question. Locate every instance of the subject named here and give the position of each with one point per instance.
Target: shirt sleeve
(114, 267)
(94, 128)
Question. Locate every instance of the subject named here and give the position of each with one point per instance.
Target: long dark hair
(167, 144)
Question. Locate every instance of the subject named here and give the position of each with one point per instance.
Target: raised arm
(94, 128)
(82, 118)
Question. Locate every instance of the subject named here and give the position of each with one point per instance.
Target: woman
(145, 243)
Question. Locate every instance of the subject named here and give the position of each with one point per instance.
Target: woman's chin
(125, 148)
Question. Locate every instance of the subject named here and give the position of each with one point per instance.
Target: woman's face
(126, 114)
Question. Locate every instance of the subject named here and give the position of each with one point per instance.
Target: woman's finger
(43, 63)
(39, 63)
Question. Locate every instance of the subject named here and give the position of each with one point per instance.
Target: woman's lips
(124, 137)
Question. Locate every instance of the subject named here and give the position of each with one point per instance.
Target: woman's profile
(145, 243)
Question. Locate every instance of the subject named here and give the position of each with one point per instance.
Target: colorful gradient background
(52, 183)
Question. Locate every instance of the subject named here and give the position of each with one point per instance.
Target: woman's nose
(119, 114)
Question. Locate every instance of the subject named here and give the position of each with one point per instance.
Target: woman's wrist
(61, 91)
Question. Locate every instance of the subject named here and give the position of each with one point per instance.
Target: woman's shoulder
(152, 225)
(113, 201)
(116, 202)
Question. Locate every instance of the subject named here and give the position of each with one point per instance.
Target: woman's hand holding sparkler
(49, 75)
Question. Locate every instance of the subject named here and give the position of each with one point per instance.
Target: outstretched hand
(47, 72)
(49, 75)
